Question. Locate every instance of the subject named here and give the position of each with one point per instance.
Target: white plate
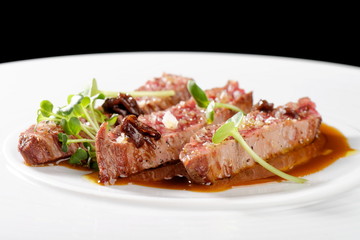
(31, 195)
(341, 176)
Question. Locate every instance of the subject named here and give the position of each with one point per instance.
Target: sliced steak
(269, 131)
(42, 146)
(39, 144)
(284, 162)
(118, 156)
(165, 82)
(165, 172)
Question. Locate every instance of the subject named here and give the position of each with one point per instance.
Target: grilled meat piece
(119, 157)
(42, 146)
(165, 82)
(163, 172)
(283, 162)
(39, 144)
(270, 132)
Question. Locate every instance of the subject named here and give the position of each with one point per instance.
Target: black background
(344, 54)
(325, 40)
(317, 49)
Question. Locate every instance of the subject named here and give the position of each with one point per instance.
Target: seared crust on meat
(39, 144)
(165, 82)
(268, 133)
(164, 172)
(42, 146)
(121, 159)
(118, 157)
(284, 162)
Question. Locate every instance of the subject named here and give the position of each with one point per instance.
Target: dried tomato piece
(291, 113)
(124, 105)
(139, 132)
(264, 106)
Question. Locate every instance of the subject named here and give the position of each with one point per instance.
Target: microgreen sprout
(79, 156)
(93, 90)
(198, 94)
(230, 128)
(80, 120)
(202, 101)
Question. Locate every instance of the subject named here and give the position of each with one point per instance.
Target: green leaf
(236, 119)
(65, 126)
(41, 117)
(46, 108)
(63, 138)
(223, 132)
(78, 156)
(74, 125)
(198, 94)
(71, 126)
(100, 117)
(112, 120)
(94, 165)
(87, 145)
(91, 149)
(91, 89)
(210, 112)
(67, 110)
(69, 98)
(97, 96)
(85, 102)
(77, 111)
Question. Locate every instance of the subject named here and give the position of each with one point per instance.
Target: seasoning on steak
(118, 156)
(42, 146)
(165, 82)
(268, 133)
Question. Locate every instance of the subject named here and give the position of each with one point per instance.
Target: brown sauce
(329, 147)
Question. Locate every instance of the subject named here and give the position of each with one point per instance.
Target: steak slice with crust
(119, 157)
(42, 146)
(284, 162)
(165, 82)
(39, 144)
(268, 131)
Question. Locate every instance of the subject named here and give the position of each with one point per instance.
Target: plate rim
(296, 198)
(124, 54)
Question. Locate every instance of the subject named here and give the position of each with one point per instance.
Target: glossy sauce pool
(330, 146)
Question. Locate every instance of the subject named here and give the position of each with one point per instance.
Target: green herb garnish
(198, 94)
(81, 120)
(202, 101)
(93, 90)
(230, 128)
